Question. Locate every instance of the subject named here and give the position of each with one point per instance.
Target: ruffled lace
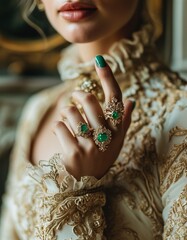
(120, 55)
(53, 177)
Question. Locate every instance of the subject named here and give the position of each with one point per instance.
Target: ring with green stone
(83, 130)
(114, 111)
(102, 137)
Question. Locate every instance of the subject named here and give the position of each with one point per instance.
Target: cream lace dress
(144, 194)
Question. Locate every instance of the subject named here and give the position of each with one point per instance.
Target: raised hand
(92, 141)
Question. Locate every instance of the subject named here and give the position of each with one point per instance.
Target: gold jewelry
(40, 5)
(83, 130)
(102, 137)
(114, 111)
(91, 85)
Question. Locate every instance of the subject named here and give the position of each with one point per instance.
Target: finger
(66, 139)
(110, 86)
(74, 118)
(92, 109)
(129, 106)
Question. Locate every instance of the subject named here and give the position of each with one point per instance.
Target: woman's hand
(81, 156)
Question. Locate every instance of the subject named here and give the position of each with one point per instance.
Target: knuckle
(68, 110)
(71, 110)
(107, 73)
(74, 154)
(89, 98)
(117, 94)
(57, 125)
(90, 147)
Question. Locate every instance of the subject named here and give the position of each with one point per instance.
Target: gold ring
(102, 137)
(91, 85)
(114, 111)
(83, 130)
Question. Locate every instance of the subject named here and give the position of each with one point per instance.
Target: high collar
(120, 56)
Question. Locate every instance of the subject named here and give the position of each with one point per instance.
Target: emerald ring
(102, 137)
(114, 111)
(83, 130)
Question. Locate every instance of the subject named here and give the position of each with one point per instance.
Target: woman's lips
(76, 11)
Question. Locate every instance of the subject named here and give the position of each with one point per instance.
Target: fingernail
(133, 104)
(100, 61)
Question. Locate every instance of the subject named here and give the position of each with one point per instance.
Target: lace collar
(121, 55)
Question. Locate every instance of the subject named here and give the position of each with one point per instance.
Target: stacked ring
(102, 137)
(83, 130)
(114, 111)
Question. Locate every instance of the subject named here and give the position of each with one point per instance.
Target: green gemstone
(84, 128)
(115, 115)
(102, 137)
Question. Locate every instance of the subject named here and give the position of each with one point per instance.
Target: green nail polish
(133, 105)
(100, 61)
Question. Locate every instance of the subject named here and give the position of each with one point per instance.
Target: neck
(88, 51)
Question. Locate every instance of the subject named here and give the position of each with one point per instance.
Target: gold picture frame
(18, 56)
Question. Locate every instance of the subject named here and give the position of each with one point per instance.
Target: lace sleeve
(7, 226)
(173, 176)
(7, 223)
(68, 209)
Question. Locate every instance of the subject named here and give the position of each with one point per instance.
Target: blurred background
(27, 65)
(25, 71)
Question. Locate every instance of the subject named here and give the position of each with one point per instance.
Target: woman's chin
(76, 33)
(79, 38)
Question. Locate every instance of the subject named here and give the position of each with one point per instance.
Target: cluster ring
(102, 137)
(83, 130)
(114, 111)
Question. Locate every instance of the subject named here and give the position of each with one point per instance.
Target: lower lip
(77, 15)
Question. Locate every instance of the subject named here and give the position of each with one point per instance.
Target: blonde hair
(27, 8)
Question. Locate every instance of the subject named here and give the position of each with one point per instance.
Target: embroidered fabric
(57, 197)
(53, 177)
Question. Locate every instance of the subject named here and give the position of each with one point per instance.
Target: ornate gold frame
(21, 46)
(19, 55)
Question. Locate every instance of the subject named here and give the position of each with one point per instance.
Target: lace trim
(177, 131)
(176, 171)
(53, 177)
(174, 163)
(175, 227)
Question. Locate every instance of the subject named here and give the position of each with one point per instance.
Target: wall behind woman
(179, 37)
(175, 36)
